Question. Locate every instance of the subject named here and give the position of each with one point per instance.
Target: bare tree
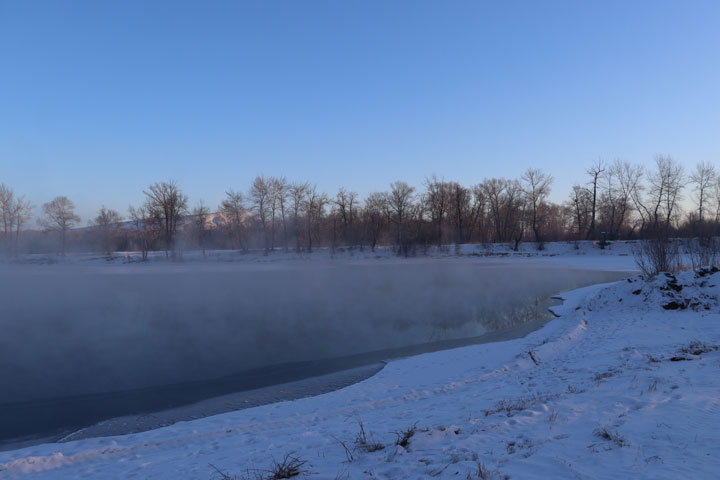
(234, 213)
(506, 204)
(642, 207)
(14, 213)
(459, 207)
(346, 206)
(167, 202)
(581, 204)
(702, 178)
(298, 191)
(261, 199)
(595, 172)
(275, 201)
(148, 225)
(494, 189)
(628, 177)
(107, 221)
(666, 184)
(536, 188)
(23, 214)
(314, 207)
(7, 212)
(516, 212)
(201, 218)
(716, 200)
(437, 199)
(400, 201)
(60, 217)
(280, 198)
(478, 213)
(376, 211)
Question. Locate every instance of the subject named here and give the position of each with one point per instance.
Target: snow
(582, 254)
(624, 383)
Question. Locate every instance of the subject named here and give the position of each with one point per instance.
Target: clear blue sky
(100, 98)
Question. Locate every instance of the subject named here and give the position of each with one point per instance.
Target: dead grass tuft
(404, 436)
(697, 348)
(289, 467)
(553, 416)
(519, 404)
(614, 437)
(366, 443)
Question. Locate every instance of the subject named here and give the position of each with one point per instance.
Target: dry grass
(289, 467)
(348, 453)
(553, 416)
(366, 443)
(697, 348)
(614, 437)
(653, 386)
(518, 405)
(482, 472)
(404, 436)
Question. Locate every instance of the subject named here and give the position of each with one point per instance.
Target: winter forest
(616, 200)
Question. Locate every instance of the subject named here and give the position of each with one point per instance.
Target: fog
(70, 330)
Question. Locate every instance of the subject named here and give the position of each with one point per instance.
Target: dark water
(80, 345)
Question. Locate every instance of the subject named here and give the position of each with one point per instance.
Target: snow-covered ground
(616, 256)
(624, 384)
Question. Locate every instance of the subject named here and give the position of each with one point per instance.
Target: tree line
(615, 200)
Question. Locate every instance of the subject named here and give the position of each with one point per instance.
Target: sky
(99, 99)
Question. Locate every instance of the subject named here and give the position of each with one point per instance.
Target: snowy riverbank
(616, 256)
(623, 383)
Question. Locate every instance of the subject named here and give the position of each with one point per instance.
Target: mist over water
(72, 330)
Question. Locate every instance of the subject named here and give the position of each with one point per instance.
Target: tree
(595, 172)
(506, 204)
(400, 201)
(346, 205)
(297, 191)
(536, 188)
(23, 214)
(14, 213)
(148, 226)
(314, 209)
(494, 189)
(459, 207)
(7, 213)
(166, 202)
(580, 203)
(666, 184)
(376, 211)
(107, 221)
(628, 177)
(478, 210)
(201, 216)
(279, 192)
(261, 198)
(516, 212)
(60, 217)
(234, 213)
(437, 198)
(702, 178)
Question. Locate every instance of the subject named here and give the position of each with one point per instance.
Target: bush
(656, 255)
(703, 252)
